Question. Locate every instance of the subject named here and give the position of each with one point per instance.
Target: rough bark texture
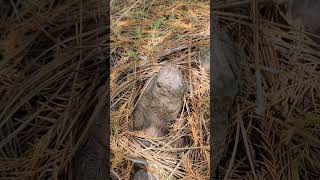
(160, 103)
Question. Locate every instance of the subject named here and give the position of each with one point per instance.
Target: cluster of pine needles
(276, 120)
(52, 79)
(145, 35)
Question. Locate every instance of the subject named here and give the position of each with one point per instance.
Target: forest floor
(145, 36)
(274, 131)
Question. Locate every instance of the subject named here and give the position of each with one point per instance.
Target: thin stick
(171, 174)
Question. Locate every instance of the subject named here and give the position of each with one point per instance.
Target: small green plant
(156, 25)
(138, 33)
(132, 54)
(140, 15)
(115, 129)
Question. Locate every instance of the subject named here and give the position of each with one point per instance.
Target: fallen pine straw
(283, 141)
(145, 36)
(52, 75)
(126, 143)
